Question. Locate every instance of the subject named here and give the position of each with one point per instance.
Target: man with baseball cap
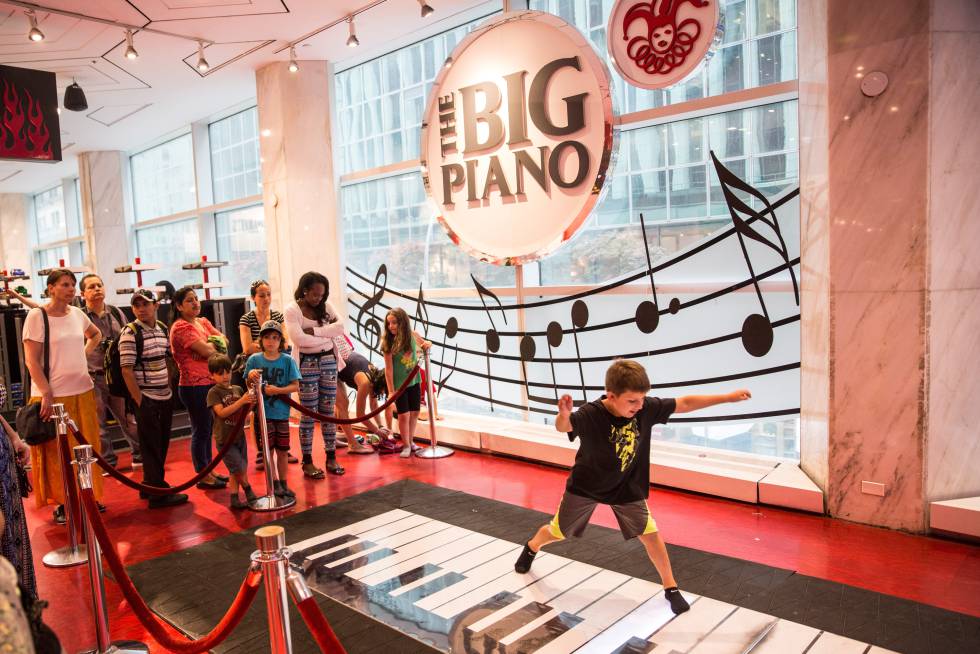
(144, 349)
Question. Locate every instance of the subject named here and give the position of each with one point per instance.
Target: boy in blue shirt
(282, 376)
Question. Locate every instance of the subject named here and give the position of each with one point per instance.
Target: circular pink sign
(659, 43)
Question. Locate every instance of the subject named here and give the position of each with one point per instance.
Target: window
(380, 103)
(758, 48)
(171, 245)
(163, 179)
(235, 169)
(388, 221)
(242, 243)
(665, 173)
(49, 216)
(75, 228)
(50, 257)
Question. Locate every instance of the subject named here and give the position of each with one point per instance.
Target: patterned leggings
(317, 391)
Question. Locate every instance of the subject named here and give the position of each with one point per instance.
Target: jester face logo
(655, 44)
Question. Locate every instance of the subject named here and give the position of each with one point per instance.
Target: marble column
(953, 444)
(871, 180)
(15, 249)
(101, 179)
(299, 187)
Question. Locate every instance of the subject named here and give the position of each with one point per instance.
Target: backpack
(113, 370)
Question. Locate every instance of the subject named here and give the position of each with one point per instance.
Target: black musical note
(757, 332)
(421, 313)
(580, 318)
(528, 350)
(493, 338)
(648, 313)
(555, 335)
(371, 325)
(452, 326)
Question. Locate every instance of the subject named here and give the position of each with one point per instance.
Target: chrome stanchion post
(434, 450)
(84, 461)
(273, 556)
(269, 501)
(72, 554)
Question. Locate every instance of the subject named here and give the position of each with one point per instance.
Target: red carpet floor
(934, 571)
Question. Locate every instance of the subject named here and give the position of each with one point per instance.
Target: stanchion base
(122, 647)
(437, 452)
(271, 503)
(66, 557)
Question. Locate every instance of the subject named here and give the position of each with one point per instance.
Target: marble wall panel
(104, 202)
(15, 249)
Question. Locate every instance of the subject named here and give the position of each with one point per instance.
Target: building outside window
(163, 179)
(235, 168)
(242, 242)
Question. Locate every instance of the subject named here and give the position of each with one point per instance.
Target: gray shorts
(237, 456)
(574, 512)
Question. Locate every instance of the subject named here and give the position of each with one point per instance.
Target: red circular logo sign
(659, 43)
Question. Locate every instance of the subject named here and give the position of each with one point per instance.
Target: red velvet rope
(170, 490)
(221, 631)
(317, 624)
(350, 421)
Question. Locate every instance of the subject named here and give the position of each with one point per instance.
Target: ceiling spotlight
(427, 9)
(75, 97)
(35, 34)
(130, 50)
(293, 66)
(202, 63)
(352, 41)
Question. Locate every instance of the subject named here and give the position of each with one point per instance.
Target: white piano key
(475, 578)
(540, 591)
(408, 557)
(599, 615)
(787, 638)
(510, 582)
(395, 540)
(461, 562)
(377, 534)
(572, 601)
(353, 529)
(687, 629)
(829, 643)
(737, 634)
(639, 623)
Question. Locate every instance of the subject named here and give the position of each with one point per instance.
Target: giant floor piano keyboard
(456, 590)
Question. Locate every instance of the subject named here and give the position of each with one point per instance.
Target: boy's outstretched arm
(695, 402)
(563, 422)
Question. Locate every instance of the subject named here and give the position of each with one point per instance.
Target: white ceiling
(135, 103)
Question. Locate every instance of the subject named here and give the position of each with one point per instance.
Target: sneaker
(163, 501)
(137, 464)
(59, 514)
(222, 478)
(291, 458)
(525, 560)
(211, 483)
(407, 452)
(237, 503)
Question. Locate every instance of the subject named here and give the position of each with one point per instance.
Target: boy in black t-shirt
(612, 465)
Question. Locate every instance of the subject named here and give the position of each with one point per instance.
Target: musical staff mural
(734, 299)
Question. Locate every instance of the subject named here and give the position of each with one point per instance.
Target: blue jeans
(195, 400)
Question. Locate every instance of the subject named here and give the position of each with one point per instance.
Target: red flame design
(23, 130)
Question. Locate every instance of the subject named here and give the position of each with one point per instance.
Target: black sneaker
(59, 514)
(163, 501)
(525, 560)
(677, 602)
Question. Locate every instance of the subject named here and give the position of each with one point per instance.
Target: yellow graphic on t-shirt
(408, 359)
(624, 440)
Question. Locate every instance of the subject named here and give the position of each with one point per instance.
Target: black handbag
(31, 427)
(23, 479)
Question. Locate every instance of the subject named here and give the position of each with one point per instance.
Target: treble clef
(371, 324)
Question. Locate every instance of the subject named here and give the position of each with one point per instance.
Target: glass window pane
(388, 221)
(242, 243)
(236, 171)
(163, 179)
(171, 246)
(49, 216)
(774, 15)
